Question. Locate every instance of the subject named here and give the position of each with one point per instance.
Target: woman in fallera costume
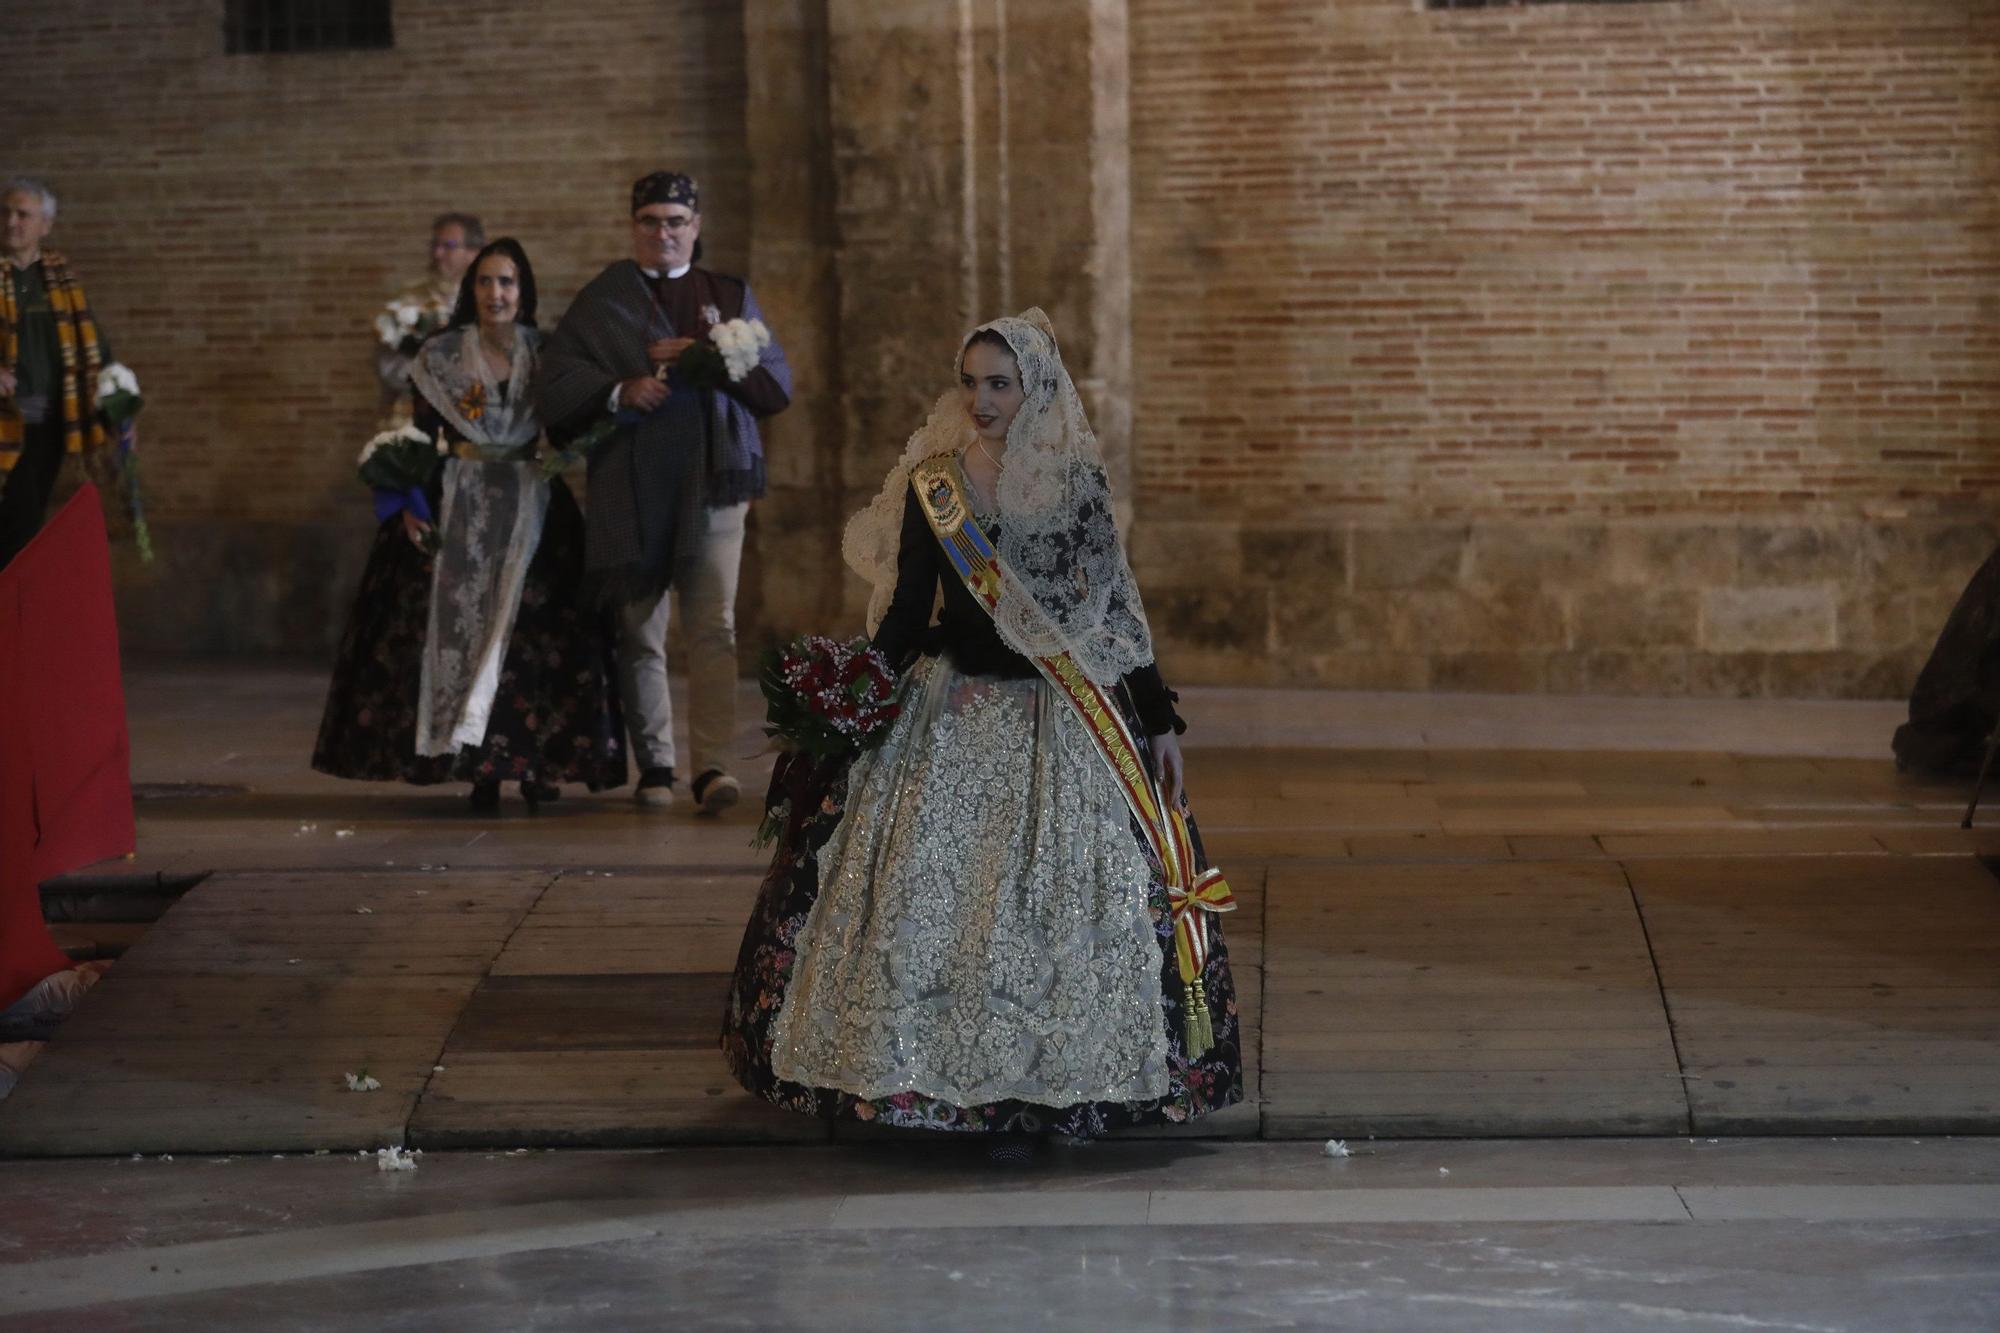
(999, 920)
(479, 663)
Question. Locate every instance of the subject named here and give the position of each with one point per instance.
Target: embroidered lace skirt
(964, 931)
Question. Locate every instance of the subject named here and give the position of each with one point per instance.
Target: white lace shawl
(489, 525)
(449, 367)
(1068, 585)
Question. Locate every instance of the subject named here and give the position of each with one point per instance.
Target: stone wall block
(1212, 617)
(1315, 620)
(1873, 617)
(1791, 553)
(1415, 555)
(1841, 675)
(1633, 618)
(1655, 671)
(1312, 560)
(1793, 620)
(1456, 620)
(1541, 555)
(1672, 554)
(1928, 551)
(1727, 675)
(1176, 553)
(1365, 671)
(1491, 672)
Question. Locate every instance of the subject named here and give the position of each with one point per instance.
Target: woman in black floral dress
(469, 655)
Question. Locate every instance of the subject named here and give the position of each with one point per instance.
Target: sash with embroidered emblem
(1191, 893)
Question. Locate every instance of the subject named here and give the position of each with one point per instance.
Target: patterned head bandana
(666, 187)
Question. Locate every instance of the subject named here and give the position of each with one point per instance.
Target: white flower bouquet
(404, 323)
(118, 402)
(118, 397)
(730, 352)
(401, 459)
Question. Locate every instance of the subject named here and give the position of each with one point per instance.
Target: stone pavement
(1491, 1236)
(1460, 916)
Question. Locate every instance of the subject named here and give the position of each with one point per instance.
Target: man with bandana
(669, 491)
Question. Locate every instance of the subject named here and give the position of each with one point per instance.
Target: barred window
(255, 26)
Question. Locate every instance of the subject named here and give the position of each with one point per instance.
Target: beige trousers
(706, 588)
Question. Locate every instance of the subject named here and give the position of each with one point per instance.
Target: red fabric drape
(65, 754)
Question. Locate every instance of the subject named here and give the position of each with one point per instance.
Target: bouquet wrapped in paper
(826, 701)
(397, 465)
(119, 402)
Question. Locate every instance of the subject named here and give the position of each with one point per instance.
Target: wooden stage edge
(1841, 979)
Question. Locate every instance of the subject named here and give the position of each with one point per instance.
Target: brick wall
(238, 219)
(1631, 348)
(1622, 347)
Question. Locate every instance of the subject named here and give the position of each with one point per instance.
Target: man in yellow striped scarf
(50, 355)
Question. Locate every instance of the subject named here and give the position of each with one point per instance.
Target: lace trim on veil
(1070, 587)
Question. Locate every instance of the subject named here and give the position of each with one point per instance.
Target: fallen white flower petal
(364, 911)
(362, 1082)
(395, 1159)
(1336, 1148)
(437, 1069)
(1444, 1170)
(343, 833)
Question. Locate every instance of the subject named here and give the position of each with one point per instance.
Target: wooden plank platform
(1430, 941)
(231, 1025)
(1453, 999)
(1831, 995)
(599, 1024)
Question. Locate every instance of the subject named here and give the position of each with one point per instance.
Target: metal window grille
(259, 26)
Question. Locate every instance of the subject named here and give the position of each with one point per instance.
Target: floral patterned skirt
(555, 716)
(936, 1003)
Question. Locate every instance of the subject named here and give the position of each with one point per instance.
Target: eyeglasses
(661, 226)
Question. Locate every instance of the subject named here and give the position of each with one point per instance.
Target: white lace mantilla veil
(490, 521)
(449, 366)
(1068, 585)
